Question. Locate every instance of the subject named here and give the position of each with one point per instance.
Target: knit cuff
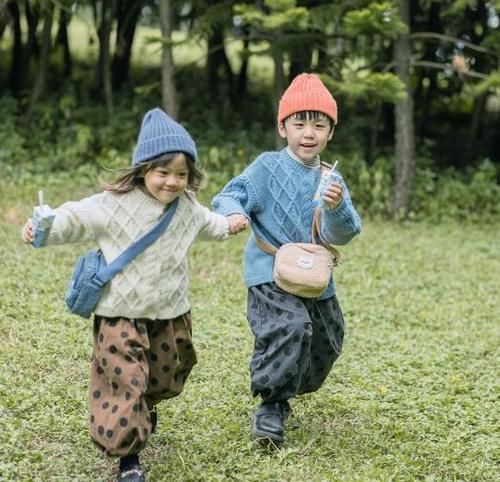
(228, 207)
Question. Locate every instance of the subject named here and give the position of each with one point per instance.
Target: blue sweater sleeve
(237, 197)
(340, 225)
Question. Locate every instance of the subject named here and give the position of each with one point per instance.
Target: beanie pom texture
(307, 93)
(159, 135)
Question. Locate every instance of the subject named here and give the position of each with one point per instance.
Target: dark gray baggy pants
(297, 340)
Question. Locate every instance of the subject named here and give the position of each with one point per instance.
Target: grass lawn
(414, 397)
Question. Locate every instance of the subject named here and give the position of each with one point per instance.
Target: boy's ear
(282, 130)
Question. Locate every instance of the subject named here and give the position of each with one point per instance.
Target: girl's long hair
(133, 177)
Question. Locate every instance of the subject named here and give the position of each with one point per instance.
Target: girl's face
(306, 138)
(166, 183)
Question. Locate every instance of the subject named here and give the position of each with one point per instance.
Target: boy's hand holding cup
(329, 194)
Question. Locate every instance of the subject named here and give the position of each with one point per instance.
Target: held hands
(237, 223)
(332, 195)
(27, 232)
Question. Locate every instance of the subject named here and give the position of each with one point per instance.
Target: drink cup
(43, 217)
(327, 178)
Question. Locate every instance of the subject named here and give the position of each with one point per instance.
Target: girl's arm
(72, 223)
(214, 226)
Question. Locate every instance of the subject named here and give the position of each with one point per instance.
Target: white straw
(40, 199)
(334, 166)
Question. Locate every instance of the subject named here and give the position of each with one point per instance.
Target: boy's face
(166, 183)
(306, 138)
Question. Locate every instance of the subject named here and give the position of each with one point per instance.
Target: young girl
(143, 350)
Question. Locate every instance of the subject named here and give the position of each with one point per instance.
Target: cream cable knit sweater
(155, 284)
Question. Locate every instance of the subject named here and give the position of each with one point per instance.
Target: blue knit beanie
(160, 134)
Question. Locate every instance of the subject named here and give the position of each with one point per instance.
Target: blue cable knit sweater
(276, 193)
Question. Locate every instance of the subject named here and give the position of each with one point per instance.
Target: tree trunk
(243, 75)
(62, 40)
(43, 66)
(128, 12)
(16, 66)
(97, 22)
(374, 134)
(31, 49)
(216, 59)
(423, 96)
(168, 90)
(404, 130)
(4, 17)
(279, 87)
(103, 78)
(474, 135)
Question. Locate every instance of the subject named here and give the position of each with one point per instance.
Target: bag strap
(315, 232)
(138, 246)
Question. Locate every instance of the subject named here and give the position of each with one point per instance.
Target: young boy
(297, 339)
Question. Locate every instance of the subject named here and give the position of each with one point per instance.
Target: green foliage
(436, 196)
(492, 42)
(370, 186)
(380, 18)
(471, 196)
(280, 5)
(212, 17)
(371, 87)
(61, 137)
(63, 144)
(13, 150)
(284, 16)
(489, 84)
(322, 15)
(457, 7)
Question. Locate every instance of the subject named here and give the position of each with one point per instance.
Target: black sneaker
(133, 473)
(268, 421)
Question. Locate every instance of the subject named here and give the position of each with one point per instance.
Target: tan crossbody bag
(303, 269)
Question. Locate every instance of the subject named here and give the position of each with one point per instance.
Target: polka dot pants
(297, 340)
(136, 364)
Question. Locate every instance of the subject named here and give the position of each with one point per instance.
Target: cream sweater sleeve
(213, 226)
(73, 221)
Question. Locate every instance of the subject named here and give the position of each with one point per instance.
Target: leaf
(378, 18)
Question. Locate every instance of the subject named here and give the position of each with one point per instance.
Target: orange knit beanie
(307, 92)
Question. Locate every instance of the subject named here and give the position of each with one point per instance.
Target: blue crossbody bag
(91, 273)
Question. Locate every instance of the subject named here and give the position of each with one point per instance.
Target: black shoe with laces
(132, 473)
(269, 420)
(130, 469)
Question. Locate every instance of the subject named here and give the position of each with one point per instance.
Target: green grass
(414, 397)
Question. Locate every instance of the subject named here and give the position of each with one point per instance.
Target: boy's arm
(237, 197)
(341, 224)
